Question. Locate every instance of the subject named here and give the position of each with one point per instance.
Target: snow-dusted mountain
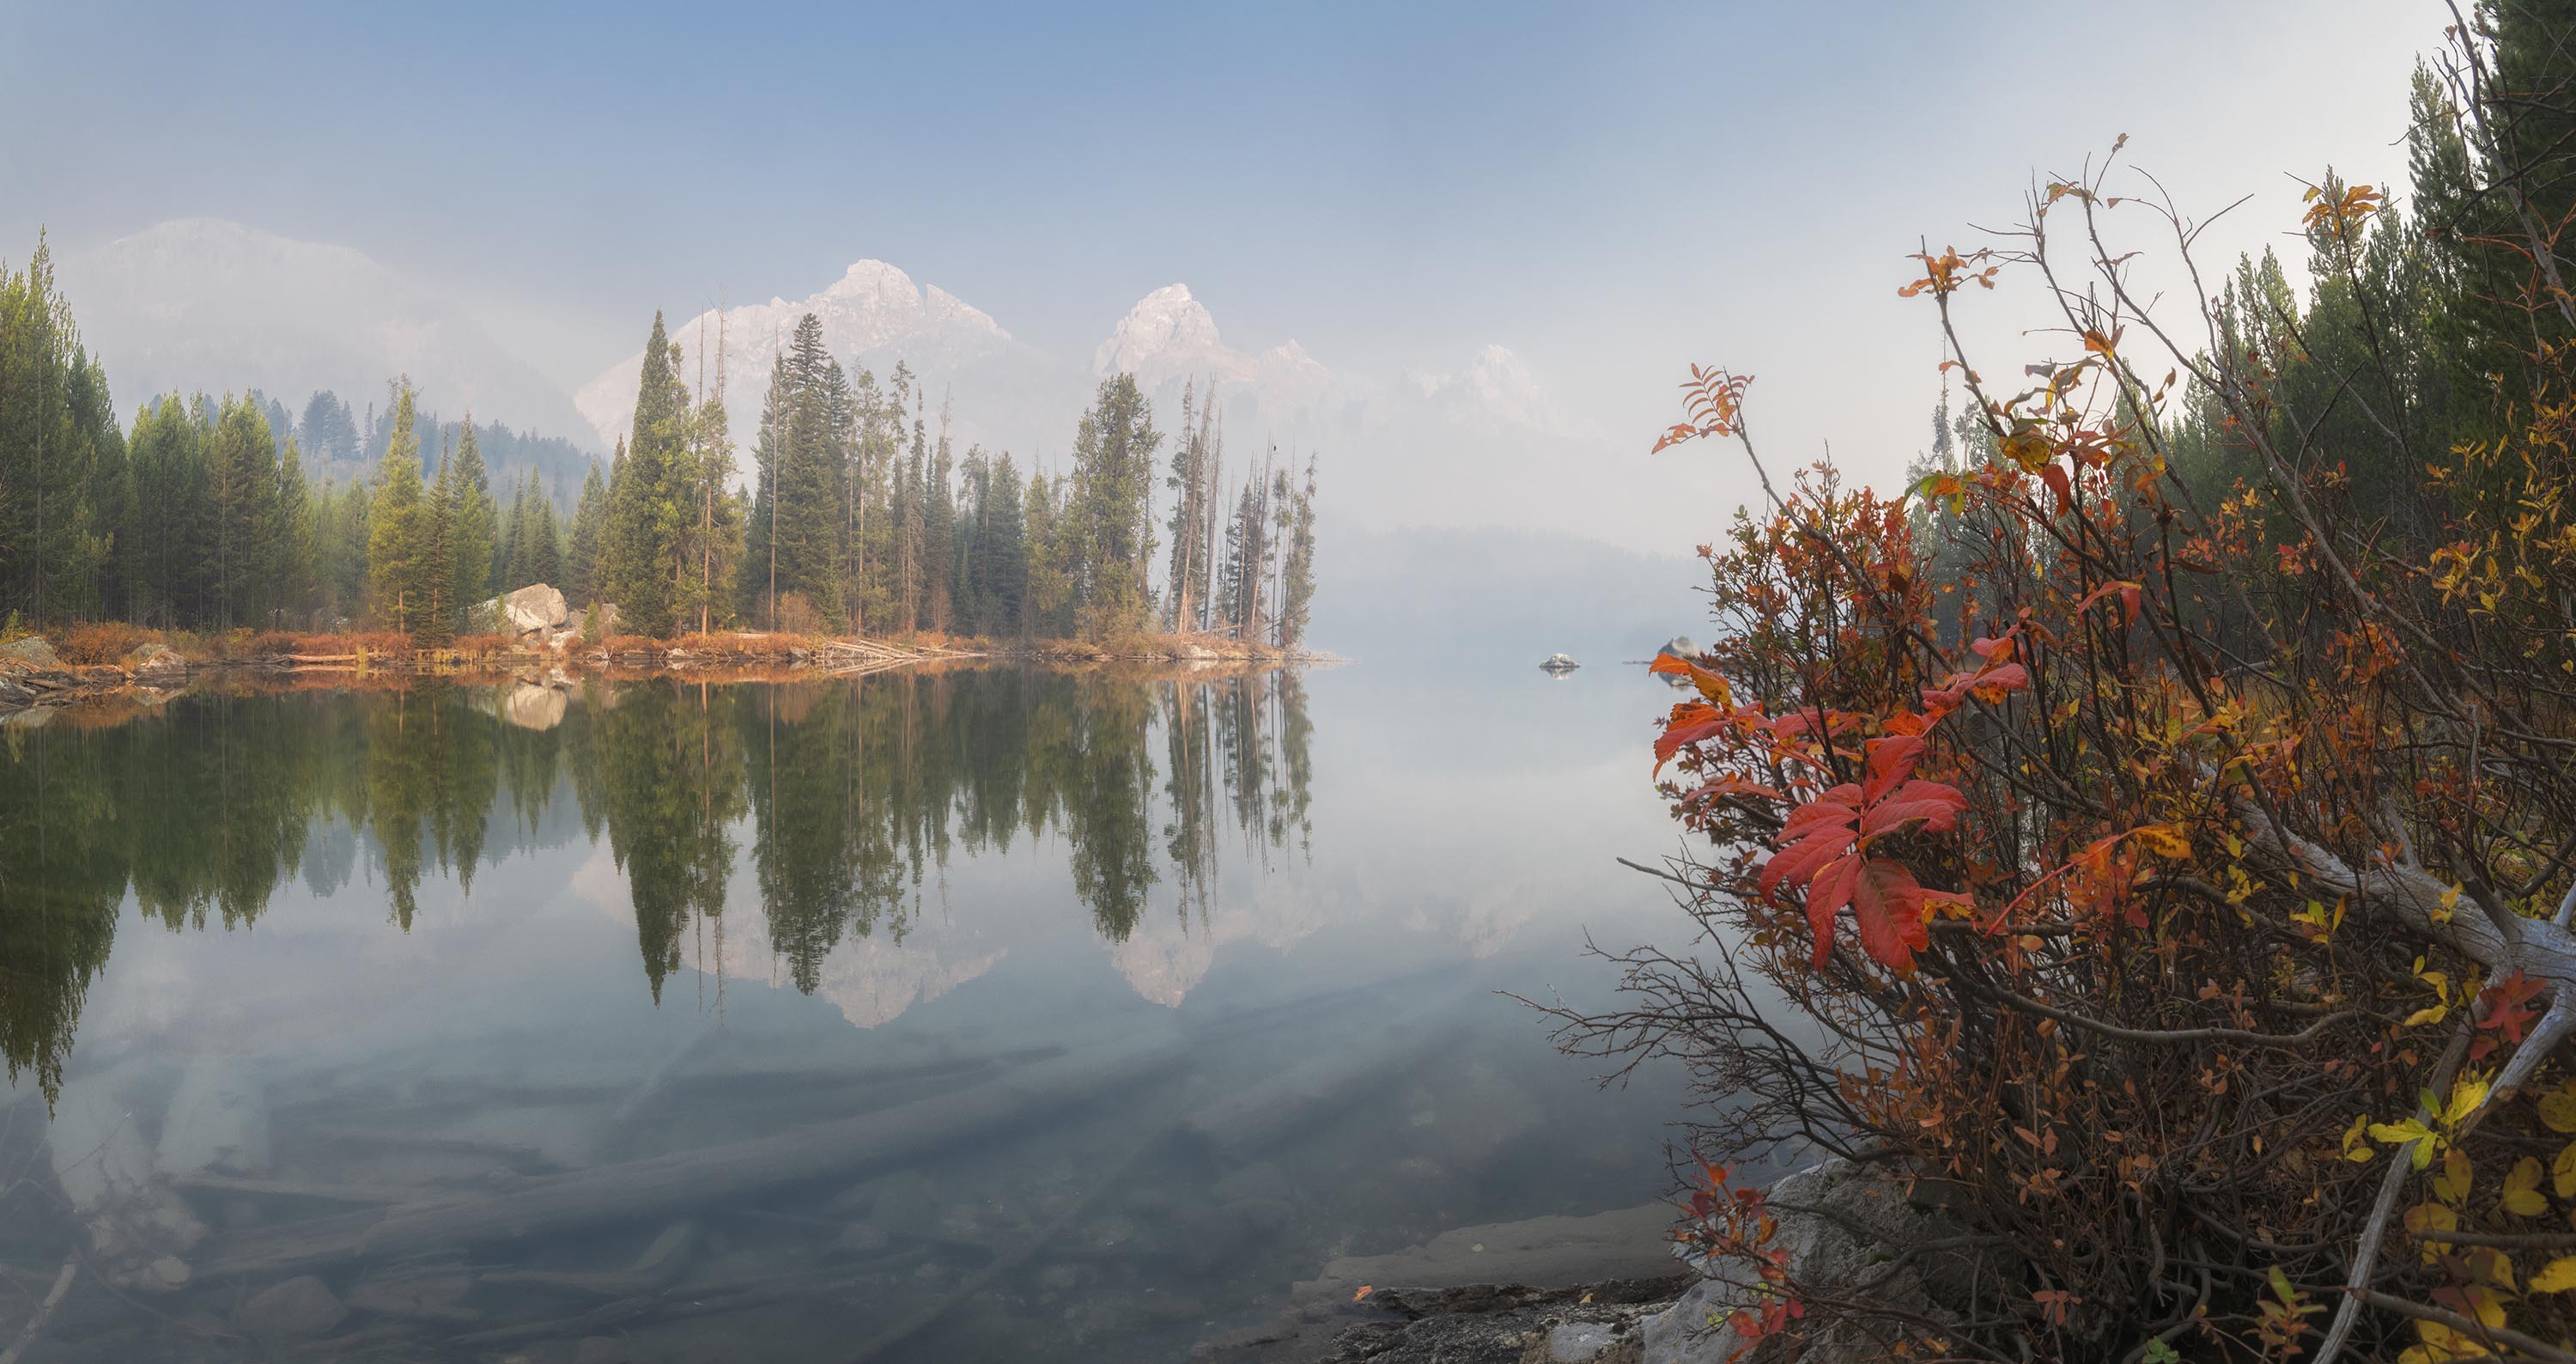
(199, 303)
(873, 315)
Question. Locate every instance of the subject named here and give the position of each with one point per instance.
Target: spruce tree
(242, 485)
(472, 549)
(589, 520)
(640, 549)
(398, 529)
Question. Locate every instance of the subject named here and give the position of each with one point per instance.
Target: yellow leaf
(2465, 1098)
(2431, 1013)
(2164, 840)
(2558, 1108)
(2522, 1196)
(2562, 1172)
(2557, 1276)
(2458, 1174)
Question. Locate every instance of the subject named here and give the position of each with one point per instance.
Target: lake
(970, 1014)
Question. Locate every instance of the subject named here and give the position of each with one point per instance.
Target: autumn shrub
(2177, 890)
(100, 642)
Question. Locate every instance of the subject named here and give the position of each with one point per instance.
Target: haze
(1498, 234)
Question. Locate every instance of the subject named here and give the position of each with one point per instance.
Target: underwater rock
(297, 1309)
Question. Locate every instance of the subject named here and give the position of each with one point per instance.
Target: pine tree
(1297, 577)
(398, 529)
(298, 532)
(589, 521)
(640, 550)
(1107, 527)
(436, 621)
(472, 551)
(242, 486)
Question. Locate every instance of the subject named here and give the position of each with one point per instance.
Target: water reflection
(848, 797)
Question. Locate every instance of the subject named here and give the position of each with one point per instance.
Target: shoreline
(33, 677)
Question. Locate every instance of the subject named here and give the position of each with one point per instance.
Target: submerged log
(664, 1185)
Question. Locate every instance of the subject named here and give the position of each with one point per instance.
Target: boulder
(1560, 663)
(1680, 646)
(156, 663)
(34, 652)
(528, 610)
(1821, 1210)
(298, 1309)
(12, 694)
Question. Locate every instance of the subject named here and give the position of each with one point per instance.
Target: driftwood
(44, 1310)
(664, 1185)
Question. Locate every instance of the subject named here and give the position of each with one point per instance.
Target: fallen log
(668, 1185)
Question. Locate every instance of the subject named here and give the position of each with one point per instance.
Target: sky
(1611, 190)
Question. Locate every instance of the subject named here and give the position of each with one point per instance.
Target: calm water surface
(976, 1015)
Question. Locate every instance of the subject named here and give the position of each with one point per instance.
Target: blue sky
(1610, 190)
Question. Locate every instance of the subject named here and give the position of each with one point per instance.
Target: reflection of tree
(853, 792)
(62, 877)
(671, 781)
(1108, 798)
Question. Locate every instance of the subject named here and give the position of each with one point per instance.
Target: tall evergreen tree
(1107, 525)
(589, 522)
(400, 566)
(641, 546)
(473, 550)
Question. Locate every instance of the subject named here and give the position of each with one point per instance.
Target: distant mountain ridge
(200, 304)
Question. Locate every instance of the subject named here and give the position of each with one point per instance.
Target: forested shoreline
(861, 518)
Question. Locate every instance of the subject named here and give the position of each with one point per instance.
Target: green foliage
(402, 568)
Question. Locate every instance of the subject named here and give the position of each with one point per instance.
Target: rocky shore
(539, 638)
(1604, 1289)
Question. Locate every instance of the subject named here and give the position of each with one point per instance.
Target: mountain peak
(1169, 333)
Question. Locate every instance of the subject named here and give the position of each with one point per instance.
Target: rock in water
(533, 707)
(297, 1309)
(1560, 663)
(32, 651)
(1680, 646)
(140, 1231)
(218, 1121)
(527, 611)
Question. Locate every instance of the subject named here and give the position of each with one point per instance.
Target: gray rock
(156, 663)
(1680, 646)
(1560, 663)
(297, 1309)
(1823, 1253)
(526, 611)
(12, 694)
(32, 651)
(1582, 1342)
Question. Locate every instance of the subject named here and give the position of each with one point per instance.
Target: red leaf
(2054, 475)
(1888, 907)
